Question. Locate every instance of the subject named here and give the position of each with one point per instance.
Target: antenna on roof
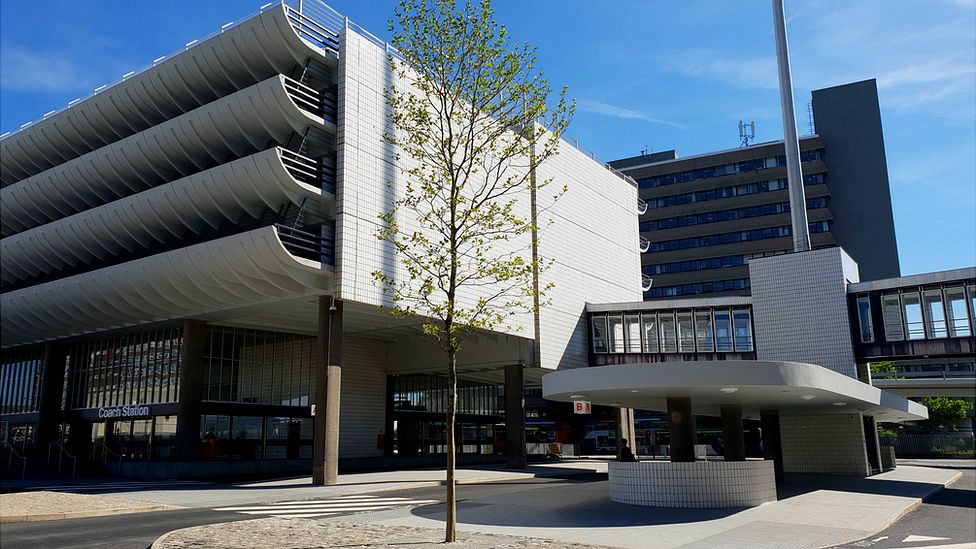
(747, 133)
(810, 124)
(644, 150)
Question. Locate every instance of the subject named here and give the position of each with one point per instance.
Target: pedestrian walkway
(326, 507)
(99, 487)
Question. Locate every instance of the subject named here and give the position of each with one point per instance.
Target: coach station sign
(134, 410)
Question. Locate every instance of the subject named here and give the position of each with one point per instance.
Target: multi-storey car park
(709, 214)
(183, 248)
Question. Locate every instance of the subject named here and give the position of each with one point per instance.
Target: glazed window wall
(922, 313)
(255, 437)
(140, 368)
(20, 381)
(720, 330)
(258, 367)
(864, 317)
(725, 169)
(702, 288)
(423, 393)
(730, 238)
(729, 192)
(726, 215)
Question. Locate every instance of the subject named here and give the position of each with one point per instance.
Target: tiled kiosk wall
(830, 444)
(704, 484)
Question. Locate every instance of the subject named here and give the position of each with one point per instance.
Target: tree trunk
(450, 534)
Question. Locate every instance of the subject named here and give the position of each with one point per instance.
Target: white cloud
(25, 69)
(606, 109)
(718, 65)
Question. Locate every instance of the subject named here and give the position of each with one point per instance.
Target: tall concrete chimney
(798, 201)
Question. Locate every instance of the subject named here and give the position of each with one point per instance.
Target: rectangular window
(723, 332)
(703, 331)
(686, 333)
(864, 319)
(743, 330)
(599, 324)
(650, 332)
(615, 329)
(891, 311)
(935, 323)
(912, 306)
(669, 341)
(959, 325)
(633, 333)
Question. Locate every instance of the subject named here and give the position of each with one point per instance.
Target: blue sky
(661, 75)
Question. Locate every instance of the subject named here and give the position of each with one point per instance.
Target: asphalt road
(949, 516)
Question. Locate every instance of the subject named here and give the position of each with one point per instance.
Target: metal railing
(641, 206)
(61, 455)
(941, 373)
(106, 451)
(15, 454)
(306, 244)
(312, 100)
(644, 244)
(646, 282)
(306, 170)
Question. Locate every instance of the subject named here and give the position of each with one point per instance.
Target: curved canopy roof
(237, 271)
(238, 56)
(791, 387)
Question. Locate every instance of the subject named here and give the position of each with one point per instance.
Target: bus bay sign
(134, 410)
(581, 406)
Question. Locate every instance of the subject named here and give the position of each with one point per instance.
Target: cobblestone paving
(289, 533)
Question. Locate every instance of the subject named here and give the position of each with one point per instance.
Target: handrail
(10, 460)
(61, 453)
(302, 243)
(646, 282)
(105, 449)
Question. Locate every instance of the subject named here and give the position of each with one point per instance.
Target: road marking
(913, 538)
(325, 507)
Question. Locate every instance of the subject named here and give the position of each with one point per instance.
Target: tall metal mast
(798, 202)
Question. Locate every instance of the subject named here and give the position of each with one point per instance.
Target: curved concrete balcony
(643, 244)
(235, 57)
(230, 128)
(190, 205)
(641, 207)
(646, 283)
(246, 269)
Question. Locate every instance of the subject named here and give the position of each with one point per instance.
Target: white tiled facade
(697, 484)
(825, 444)
(593, 240)
(361, 413)
(799, 303)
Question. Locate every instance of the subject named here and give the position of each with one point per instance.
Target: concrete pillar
(772, 445)
(328, 381)
(734, 446)
(871, 443)
(49, 404)
(682, 429)
(514, 417)
(388, 422)
(625, 429)
(191, 389)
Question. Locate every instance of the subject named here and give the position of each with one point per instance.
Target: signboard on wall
(581, 406)
(134, 410)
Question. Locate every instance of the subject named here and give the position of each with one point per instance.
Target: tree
(471, 119)
(882, 367)
(945, 411)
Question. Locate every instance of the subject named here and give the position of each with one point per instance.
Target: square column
(772, 445)
(328, 382)
(191, 389)
(49, 405)
(514, 417)
(734, 445)
(682, 429)
(625, 429)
